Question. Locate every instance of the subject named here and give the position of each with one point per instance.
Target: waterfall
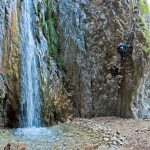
(30, 99)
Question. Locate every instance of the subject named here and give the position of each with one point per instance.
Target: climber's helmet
(119, 44)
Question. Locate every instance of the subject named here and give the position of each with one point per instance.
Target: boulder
(13, 146)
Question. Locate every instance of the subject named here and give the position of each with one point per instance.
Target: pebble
(120, 142)
(106, 139)
(103, 131)
(114, 142)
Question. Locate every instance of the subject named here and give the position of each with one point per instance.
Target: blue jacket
(124, 46)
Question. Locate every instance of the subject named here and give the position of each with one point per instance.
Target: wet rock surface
(61, 137)
(9, 61)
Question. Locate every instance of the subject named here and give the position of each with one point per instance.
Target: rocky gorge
(56, 58)
(75, 49)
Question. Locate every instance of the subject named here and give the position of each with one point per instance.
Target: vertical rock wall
(89, 33)
(55, 104)
(10, 58)
(71, 31)
(141, 100)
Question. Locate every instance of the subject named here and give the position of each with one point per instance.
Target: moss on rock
(47, 23)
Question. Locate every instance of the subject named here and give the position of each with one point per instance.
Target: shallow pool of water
(60, 137)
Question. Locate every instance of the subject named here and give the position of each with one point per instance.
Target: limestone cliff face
(10, 60)
(55, 104)
(89, 33)
(141, 98)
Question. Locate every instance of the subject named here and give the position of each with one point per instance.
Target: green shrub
(144, 7)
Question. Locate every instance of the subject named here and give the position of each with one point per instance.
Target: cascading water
(30, 99)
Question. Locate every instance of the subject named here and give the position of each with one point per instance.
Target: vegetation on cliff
(48, 25)
(145, 10)
(144, 7)
(55, 105)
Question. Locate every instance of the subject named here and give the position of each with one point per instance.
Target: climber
(122, 50)
(135, 11)
(114, 70)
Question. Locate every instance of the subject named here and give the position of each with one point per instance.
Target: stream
(59, 137)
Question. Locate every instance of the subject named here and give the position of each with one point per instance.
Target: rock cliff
(89, 33)
(76, 46)
(10, 59)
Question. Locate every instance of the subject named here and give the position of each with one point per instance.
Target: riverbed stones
(108, 147)
(103, 131)
(90, 147)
